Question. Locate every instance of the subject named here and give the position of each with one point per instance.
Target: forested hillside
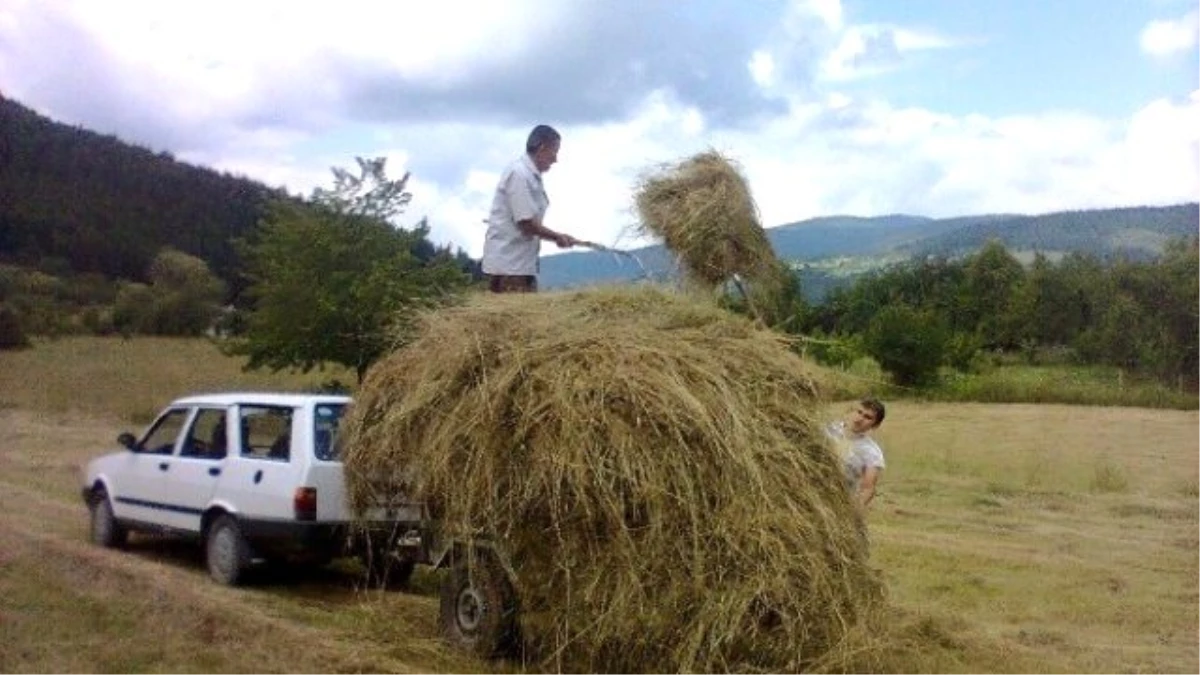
(74, 201)
(1134, 232)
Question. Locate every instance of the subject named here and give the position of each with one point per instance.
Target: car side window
(266, 432)
(207, 438)
(326, 420)
(161, 438)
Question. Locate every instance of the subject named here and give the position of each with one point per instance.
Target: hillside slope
(95, 203)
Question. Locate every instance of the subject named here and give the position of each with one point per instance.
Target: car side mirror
(127, 440)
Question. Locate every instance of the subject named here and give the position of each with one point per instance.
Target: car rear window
(266, 432)
(327, 419)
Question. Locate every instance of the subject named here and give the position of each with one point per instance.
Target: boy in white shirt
(862, 457)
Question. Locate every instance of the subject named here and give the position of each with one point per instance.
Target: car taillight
(304, 503)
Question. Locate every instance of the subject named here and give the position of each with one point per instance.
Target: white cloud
(868, 50)
(829, 11)
(762, 68)
(1169, 37)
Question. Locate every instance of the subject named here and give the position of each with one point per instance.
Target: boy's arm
(866, 486)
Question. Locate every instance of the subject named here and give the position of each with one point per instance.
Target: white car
(255, 477)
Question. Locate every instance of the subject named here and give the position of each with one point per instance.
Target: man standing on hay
(862, 457)
(515, 229)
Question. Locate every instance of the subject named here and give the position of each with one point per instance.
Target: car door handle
(163, 466)
(258, 477)
(214, 471)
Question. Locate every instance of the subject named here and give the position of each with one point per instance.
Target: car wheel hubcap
(223, 551)
(100, 523)
(470, 609)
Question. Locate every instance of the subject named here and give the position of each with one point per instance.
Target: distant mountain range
(832, 250)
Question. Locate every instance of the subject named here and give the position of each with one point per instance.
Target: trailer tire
(478, 606)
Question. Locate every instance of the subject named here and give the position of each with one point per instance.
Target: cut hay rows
(703, 212)
(652, 467)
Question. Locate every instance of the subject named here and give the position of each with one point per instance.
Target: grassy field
(132, 379)
(1014, 538)
(1081, 385)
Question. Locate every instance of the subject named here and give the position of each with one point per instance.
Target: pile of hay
(702, 210)
(653, 467)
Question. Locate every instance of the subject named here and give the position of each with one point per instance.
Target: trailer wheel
(478, 606)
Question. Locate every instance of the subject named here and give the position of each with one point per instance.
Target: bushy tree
(133, 309)
(991, 276)
(182, 298)
(333, 281)
(12, 336)
(1181, 310)
(907, 343)
(1147, 320)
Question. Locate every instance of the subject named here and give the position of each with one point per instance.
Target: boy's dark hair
(875, 406)
(541, 135)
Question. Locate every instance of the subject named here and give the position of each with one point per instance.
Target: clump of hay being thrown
(652, 466)
(703, 211)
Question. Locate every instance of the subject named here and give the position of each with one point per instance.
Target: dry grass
(703, 212)
(653, 467)
(1043, 538)
(998, 553)
(131, 379)
(68, 606)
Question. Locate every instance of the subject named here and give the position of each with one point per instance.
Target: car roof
(260, 398)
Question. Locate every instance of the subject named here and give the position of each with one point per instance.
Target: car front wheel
(227, 552)
(478, 606)
(105, 529)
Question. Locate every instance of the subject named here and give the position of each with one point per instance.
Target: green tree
(991, 277)
(1148, 322)
(187, 294)
(132, 311)
(1041, 306)
(12, 336)
(333, 281)
(908, 343)
(1180, 320)
(182, 298)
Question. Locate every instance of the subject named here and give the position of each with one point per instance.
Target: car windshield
(327, 418)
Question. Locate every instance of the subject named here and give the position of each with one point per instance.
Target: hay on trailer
(652, 466)
(703, 211)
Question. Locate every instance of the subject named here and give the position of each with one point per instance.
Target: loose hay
(703, 212)
(652, 466)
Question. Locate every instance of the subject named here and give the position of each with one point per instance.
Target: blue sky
(863, 107)
(1029, 55)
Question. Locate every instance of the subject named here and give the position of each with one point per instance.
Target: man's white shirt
(519, 196)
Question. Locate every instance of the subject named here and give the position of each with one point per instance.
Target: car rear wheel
(478, 606)
(105, 529)
(227, 552)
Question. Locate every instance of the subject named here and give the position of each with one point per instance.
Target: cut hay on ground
(652, 466)
(702, 210)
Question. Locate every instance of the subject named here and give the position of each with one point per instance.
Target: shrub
(1108, 477)
(909, 344)
(11, 334)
